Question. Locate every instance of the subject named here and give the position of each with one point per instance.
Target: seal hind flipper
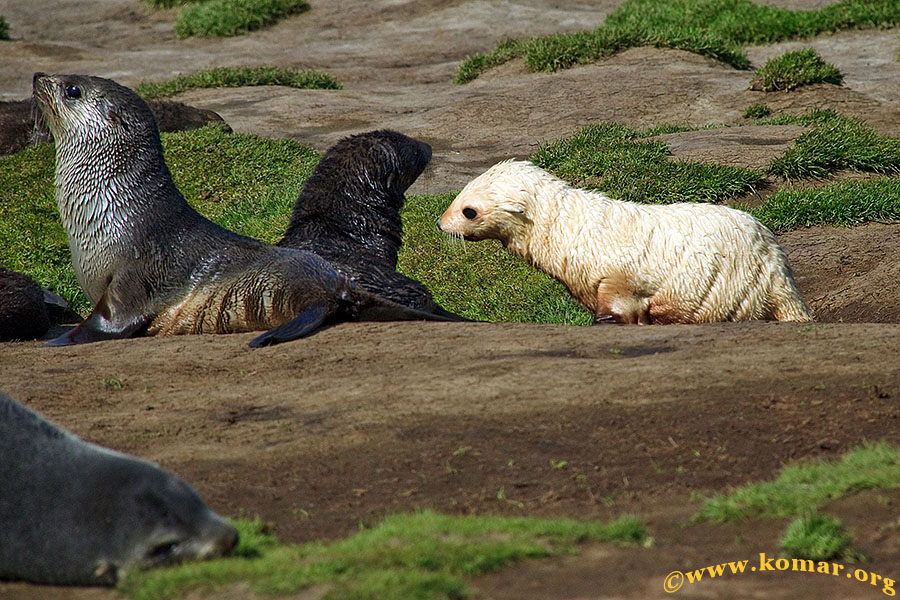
(356, 305)
(101, 325)
(307, 322)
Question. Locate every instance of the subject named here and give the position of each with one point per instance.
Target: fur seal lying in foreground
(349, 213)
(149, 263)
(628, 262)
(73, 513)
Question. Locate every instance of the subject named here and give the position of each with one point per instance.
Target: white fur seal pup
(73, 513)
(628, 262)
(149, 263)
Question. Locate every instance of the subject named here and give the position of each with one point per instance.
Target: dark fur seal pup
(349, 213)
(149, 263)
(23, 311)
(72, 513)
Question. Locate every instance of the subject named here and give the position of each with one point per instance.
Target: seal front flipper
(102, 325)
(300, 326)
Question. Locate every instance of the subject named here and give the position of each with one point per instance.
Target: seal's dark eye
(163, 551)
(73, 91)
(470, 213)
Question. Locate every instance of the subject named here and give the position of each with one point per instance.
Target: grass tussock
(844, 204)
(817, 537)
(717, 29)
(757, 111)
(802, 489)
(4, 29)
(411, 556)
(795, 69)
(221, 77)
(835, 142)
(232, 17)
(622, 162)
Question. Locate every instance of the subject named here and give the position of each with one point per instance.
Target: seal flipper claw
(300, 326)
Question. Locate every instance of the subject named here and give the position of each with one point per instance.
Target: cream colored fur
(628, 262)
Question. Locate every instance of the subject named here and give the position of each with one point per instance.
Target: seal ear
(116, 119)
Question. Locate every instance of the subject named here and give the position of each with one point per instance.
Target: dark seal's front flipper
(307, 322)
(102, 324)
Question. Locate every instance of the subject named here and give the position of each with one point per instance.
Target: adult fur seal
(349, 213)
(148, 262)
(627, 262)
(73, 513)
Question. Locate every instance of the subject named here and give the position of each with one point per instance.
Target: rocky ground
(362, 420)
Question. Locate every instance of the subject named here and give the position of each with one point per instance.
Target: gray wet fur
(74, 513)
(348, 212)
(148, 262)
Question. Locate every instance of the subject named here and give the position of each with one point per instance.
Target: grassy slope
(804, 488)
(714, 28)
(249, 184)
(238, 77)
(232, 17)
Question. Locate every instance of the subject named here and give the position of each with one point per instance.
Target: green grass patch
(411, 556)
(835, 142)
(232, 17)
(714, 28)
(795, 69)
(4, 29)
(238, 77)
(757, 111)
(802, 489)
(817, 537)
(32, 239)
(846, 203)
(619, 161)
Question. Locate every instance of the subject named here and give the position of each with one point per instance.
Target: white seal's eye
(470, 213)
(73, 91)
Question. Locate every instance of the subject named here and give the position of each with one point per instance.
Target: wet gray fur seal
(152, 265)
(348, 212)
(73, 513)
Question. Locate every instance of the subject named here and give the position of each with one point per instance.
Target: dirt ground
(363, 420)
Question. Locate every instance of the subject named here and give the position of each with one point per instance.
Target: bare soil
(363, 420)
